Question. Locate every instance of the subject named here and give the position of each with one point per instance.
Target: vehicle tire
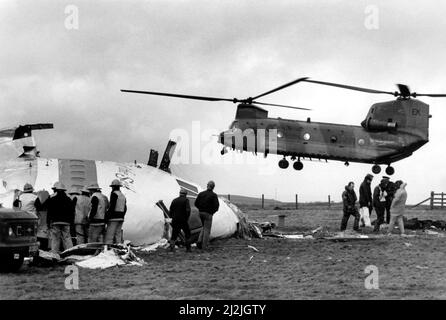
(9, 264)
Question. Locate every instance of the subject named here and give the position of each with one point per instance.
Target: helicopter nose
(221, 138)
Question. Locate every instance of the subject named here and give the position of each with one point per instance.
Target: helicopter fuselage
(318, 140)
(391, 131)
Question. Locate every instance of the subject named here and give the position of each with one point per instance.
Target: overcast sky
(72, 77)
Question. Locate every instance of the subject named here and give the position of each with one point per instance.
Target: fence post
(297, 202)
(229, 197)
(432, 200)
(263, 201)
(329, 202)
(442, 199)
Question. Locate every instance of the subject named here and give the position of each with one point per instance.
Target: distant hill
(252, 201)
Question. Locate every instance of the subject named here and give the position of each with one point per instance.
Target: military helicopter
(391, 131)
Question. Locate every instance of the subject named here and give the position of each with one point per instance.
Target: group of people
(388, 200)
(86, 212)
(207, 205)
(90, 216)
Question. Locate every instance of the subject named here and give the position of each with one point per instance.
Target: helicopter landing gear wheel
(390, 170)
(283, 164)
(376, 169)
(298, 165)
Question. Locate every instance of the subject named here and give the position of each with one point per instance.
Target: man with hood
(349, 205)
(398, 207)
(379, 203)
(365, 200)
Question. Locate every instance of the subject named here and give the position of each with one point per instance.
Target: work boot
(172, 247)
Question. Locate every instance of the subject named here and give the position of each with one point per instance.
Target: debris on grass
(253, 248)
(420, 267)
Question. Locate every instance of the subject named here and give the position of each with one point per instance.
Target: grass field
(409, 268)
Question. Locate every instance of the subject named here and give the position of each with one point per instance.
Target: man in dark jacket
(349, 203)
(180, 213)
(379, 203)
(60, 216)
(365, 200)
(207, 203)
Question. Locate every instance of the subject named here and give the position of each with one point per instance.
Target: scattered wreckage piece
(92, 256)
(415, 224)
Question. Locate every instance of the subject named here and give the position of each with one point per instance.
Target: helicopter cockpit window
(234, 125)
(307, 136)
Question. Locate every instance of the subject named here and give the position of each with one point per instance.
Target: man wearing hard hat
(26, 200)
(115, 214)
(60, 216)
(99, 205)
(82, 205)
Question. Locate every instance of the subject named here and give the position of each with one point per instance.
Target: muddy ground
(409, 268)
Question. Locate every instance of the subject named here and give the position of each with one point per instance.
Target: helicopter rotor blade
(183, 96)
(352, 87)
(279, 105)
(281, 87)
(434, 95)
(234, 100)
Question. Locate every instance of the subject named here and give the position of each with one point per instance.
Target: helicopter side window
(234, 125)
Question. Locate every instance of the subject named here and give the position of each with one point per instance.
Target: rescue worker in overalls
(43, 232)
(82, 206)
(97, 214)
(115, 214)
(27, 200)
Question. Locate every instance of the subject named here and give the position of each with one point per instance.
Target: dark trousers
(345, 218)
(388, 213)
(380, 211)
(205, 234)
(177, 226)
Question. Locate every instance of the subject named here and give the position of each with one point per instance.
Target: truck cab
(18, 238)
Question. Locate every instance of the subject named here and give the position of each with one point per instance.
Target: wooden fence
(296, 201)
(436, 201)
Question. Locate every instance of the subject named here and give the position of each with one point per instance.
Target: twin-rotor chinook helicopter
(391, 131)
